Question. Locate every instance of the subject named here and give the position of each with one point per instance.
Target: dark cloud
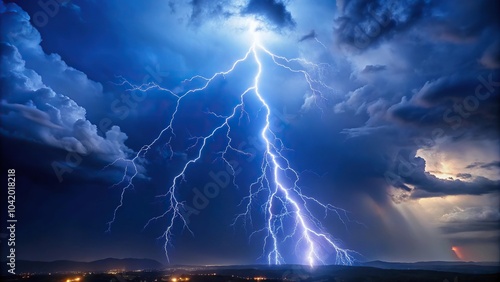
(484, 165)
(412, 172)
(471, 220)
(408, 173)
(491, 56)
(427, 185)
(309, 36)
(464, 175)
(416, 114)
(206, 10)
(452, 88)
(466, 22)
(363, 23)
(428, 100)
(460, 227)
(458, 105)
(373, 68)
(272, 11)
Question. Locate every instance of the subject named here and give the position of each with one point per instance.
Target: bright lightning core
(285, 208)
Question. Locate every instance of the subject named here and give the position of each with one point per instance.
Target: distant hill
(129, 264)
(450, 266)
(341, 273)
(446, 266)
(93, 266)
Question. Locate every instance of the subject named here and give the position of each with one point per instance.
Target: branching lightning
(286, 208)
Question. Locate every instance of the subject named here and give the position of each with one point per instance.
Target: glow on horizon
(458, 252)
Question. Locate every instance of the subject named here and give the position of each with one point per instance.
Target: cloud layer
(39, 94)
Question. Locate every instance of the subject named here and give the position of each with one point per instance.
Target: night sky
(399, 129)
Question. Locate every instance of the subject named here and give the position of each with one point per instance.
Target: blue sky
(403, 136)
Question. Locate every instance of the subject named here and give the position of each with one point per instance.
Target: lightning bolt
(286, 208)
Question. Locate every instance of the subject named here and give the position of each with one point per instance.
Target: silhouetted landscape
(112, 269)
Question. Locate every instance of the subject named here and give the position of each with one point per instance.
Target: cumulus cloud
(61, 78)
(35, 111)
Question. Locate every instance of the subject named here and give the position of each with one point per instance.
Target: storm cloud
(407, 117)
(36, 112)
(273, 11)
